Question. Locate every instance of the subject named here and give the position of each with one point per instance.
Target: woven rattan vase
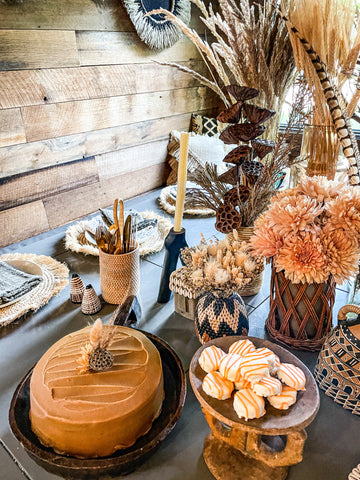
(300, 314)
(119, 276)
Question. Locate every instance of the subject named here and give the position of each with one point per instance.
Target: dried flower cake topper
(94, 355)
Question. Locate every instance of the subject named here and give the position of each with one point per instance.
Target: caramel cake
(94, 393)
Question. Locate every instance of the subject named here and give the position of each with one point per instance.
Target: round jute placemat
(55, 278)
(168, 203)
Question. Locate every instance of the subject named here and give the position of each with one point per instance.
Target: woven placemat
(55, 278)
(77, 241)
(168, 203)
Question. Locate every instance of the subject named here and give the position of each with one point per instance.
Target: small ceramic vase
(91, 303)
(76, 288)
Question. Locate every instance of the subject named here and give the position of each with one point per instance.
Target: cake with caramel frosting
(93, 409)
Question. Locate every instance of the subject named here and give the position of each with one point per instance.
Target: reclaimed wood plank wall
(85, 113)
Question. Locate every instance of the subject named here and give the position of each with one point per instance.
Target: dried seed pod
(242, 93)
(228, 138)
(227, 218)
(100, 360)
(238, 155)
(232, 196)
(262, 147)
(256, 114)
(231, 114)
(230, 176)
(76, 288)
(251, 171)
(245, 131)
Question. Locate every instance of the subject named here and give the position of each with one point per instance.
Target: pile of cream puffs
(254, 374)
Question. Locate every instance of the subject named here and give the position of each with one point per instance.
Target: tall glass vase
(321, 146)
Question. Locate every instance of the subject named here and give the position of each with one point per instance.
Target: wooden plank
(127, 160)
(65, 15)
(11, 127)
(73, 205)
(40, 87)
(49, 121)
(23, 49)
(22, 222)
(104, 48)
(34, 155)
(26, 188)
(107, 15)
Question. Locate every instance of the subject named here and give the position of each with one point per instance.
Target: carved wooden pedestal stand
(262, 448)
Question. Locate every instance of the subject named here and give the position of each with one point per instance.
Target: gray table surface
(333, 445)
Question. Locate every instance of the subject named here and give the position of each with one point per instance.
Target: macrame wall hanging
(154, 30)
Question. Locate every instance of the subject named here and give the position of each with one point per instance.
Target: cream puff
(242, 347)
(217, 386)
(210, 357)
(253, 369)
(267, 387)
(286, 398)
(248, 405)
(230, 367)
(292, 376)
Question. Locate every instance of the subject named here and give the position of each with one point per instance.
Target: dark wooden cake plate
(121, 462)
(262, 448)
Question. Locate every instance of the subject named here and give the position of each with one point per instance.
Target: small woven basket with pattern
(119, 276)
(219, 316)
(300, 314)
(338, 364)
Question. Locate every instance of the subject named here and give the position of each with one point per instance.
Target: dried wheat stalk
(333, 31)
(251, 47)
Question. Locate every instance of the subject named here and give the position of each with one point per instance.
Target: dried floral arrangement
(219, 266)
(251, 47)
(326, 47)
(94, 355)
(311, 232)
(253, 182)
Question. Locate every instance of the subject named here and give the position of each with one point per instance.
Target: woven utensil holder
(119, 276)
(300, 314)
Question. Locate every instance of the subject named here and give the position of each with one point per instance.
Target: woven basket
(119, 276)
(244, 234)
(300, 314)
(253, 287)
(338, 365)
(218, 316)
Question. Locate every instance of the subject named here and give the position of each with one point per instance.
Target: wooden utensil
(127, 234)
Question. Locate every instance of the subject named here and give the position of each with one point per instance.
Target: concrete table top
(333, 445)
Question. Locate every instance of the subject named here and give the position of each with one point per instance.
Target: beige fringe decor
(77, 240)
(119, 276)
(167, 203)
(55, 279)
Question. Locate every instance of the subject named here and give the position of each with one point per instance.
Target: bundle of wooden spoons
(120, 237)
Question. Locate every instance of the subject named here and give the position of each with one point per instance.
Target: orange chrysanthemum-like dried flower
(312, 231)
(344, 211)
(266, 242)
(302, 259)
(342, 253)
(320, 188)
(294, 214)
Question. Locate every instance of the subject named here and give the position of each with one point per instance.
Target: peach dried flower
(303, 260)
